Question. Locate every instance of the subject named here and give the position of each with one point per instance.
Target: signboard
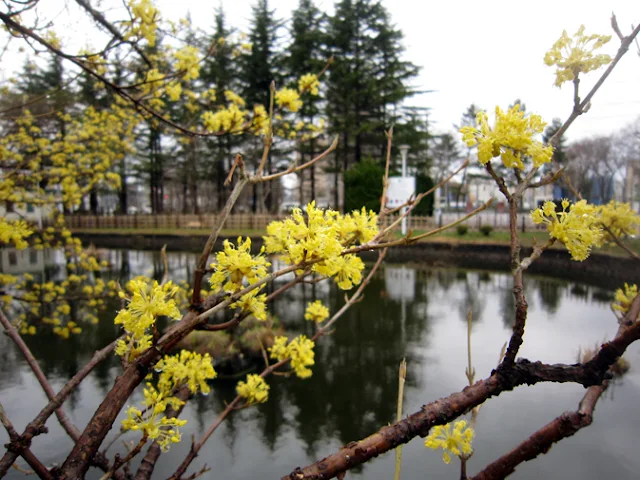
(400, 190)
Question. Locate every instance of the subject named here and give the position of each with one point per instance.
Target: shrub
(462, 230)
(486, 230)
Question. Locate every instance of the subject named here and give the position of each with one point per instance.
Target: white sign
(400, 190)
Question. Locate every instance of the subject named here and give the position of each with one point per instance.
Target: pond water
(407, 311)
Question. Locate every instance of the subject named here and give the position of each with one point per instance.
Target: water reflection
(407, 312)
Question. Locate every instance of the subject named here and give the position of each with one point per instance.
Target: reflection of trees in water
(474, 300)
(550, 293)
(602, 296)
(446, 278)
(508, 301)
(10, 358)
(354, 391)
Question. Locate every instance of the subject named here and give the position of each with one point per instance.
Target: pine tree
(220, 71)
(368, 81)
(259, 69)
(306, 54)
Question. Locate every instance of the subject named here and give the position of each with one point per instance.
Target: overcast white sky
(489, 53)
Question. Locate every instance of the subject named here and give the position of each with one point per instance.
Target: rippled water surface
(407, 312)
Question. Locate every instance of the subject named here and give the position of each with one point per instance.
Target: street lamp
(404, 150)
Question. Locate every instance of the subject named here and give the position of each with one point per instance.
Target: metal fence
(246, 221)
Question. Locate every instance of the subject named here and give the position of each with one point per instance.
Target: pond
(407, 311)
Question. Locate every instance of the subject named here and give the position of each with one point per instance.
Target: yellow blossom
(186, 368)
(187, 62)
(620, 218)
(625, 297)
(174, 90)
(299, 350)
(289, 99)
(308, 83)
(14, 233)
(576, 226)
(225, 120)
(457, 441)
(316, 312)
(147, 302)
(255, 389)
(234, 98)
(511, 138)
(151, 421)
(233, 265)
(254, 304)
(575, 55)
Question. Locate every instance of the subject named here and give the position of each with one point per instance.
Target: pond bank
(599, 269)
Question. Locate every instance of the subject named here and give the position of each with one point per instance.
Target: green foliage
(462, 230)
(363, 186)
(486, 230)
(425, 207)
(560, 152)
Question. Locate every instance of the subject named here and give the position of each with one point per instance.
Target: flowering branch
(540, 442)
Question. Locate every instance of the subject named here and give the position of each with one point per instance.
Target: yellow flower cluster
(188, 368)
(299, 350)
(624, 298)
(234, 265)
(234, 98)
(260, 120)
(254, 304)
(576, 226)
(56, 304)
(316, 312)
(77, 162)
(146, 303)
(151, 422)
(229, 119)
(254, 390)
(174, 91)
(323, 235)
(576, 55)
(188, 62)
(14, 233)
(511, 138)
(145, 16)
(309, 83)
(620, 218)
(457, 441)
(289, 99)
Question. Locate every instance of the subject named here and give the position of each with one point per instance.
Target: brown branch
(12, 333)
(620, 243)
(101, 20)
(540, 442)
(389, 437)
(579, 110)
(385, 179)
(294, 169)
(29, 457)
(204, 258)
(119, 90)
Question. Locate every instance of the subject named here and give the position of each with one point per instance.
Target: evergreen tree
(259, 69)
(368, 81)
(306, 54)
(220, 71)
